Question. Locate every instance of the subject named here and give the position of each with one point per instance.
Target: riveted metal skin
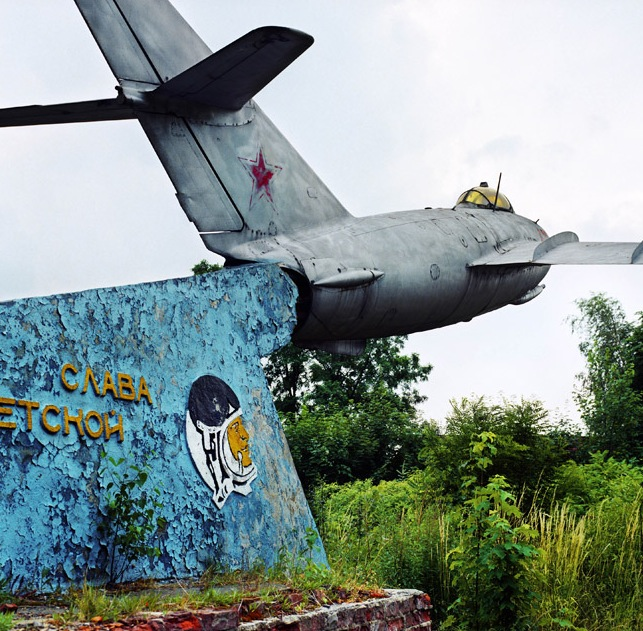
(253, 198)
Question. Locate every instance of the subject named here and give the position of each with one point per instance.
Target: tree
(493, 565)
(636, 341)
(528, 447)
(609, 397)
(205, 267)
(349, 418)
(374, 440)
(341, 380)
(300, 377)
(288, 373)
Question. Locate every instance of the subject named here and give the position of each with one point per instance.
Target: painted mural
(165, 377)
(218, 440)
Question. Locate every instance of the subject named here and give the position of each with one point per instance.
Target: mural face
(238, 440)
(218, 440)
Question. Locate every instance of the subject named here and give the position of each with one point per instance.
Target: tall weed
(493, 563)
(588, 574)
(387, 534)
(591, 565)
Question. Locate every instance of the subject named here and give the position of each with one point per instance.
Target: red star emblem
(261, 173)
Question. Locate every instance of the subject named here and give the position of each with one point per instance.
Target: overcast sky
(398, 105)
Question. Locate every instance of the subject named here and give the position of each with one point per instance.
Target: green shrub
(390, 534)
(602, 480)
(528, 445)
(576, 563)
(493, 566)
(129, 516)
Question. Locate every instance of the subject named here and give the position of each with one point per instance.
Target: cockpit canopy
(485, 197)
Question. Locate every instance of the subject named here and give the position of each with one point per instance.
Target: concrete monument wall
(165, 375)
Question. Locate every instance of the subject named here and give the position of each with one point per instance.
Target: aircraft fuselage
(397, 273)
(253, 198)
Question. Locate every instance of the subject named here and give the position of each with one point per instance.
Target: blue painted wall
(144, 346)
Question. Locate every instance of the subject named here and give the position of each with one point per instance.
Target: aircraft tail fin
(146, 41)
(232, 169)
(214, 141)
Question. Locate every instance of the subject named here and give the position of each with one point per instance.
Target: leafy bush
(528, 446)
(603, 481)
(129, 516)
(373, 439)
(493, 566)
(387, 534)
(588, 573)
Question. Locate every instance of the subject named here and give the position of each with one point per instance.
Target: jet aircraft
(254, 199)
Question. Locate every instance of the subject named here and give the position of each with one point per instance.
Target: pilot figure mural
(217, 439)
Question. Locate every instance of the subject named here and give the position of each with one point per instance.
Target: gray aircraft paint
(253, 198)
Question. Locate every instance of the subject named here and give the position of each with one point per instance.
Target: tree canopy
(300, 377)
(349, 418)
(610, 393)
(205, 267)
(529, 446)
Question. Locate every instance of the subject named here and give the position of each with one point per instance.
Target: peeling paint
(160, 336)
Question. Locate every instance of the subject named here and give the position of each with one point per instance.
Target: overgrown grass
(384, 535)
(92, 602)
(588, 573)
(592, 564)
(271, 589)
(6, 621)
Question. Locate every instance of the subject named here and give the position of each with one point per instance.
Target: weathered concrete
(112, 369)
(400, 609)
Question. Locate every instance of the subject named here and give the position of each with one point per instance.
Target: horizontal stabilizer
(564, 249)
(229, 78)
(81, 112)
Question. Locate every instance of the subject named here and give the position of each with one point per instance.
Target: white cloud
(398, 104)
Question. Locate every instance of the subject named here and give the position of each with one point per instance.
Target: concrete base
(165, 376)
(400, 609)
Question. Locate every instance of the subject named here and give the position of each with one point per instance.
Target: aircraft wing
(564, 248)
